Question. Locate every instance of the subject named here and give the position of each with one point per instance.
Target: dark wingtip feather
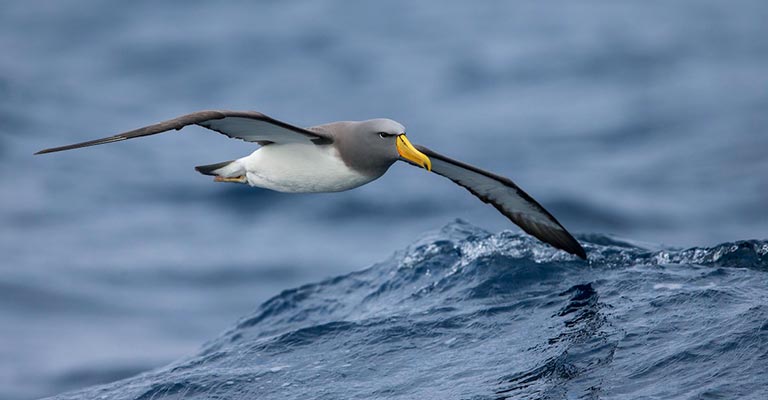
(82, 144)
(53, 150)
(558, 238)
(581, 253)
(563, 240)
(576, 249)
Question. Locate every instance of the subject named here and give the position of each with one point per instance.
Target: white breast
(300, 168)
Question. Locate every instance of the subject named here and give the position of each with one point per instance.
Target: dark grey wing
(508, 198)
(250, 126)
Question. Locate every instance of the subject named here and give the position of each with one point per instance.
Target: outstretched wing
(250, 126)
(508, 198)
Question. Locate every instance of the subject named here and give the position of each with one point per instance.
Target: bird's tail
(227, 171)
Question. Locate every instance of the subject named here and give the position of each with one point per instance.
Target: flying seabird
(343, 155)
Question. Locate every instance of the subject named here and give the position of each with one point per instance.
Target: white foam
(668, 286)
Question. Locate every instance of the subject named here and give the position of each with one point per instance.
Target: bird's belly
(301, 168)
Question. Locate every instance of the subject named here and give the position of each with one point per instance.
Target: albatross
(343, 155)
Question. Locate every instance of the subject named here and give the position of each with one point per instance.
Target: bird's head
(384, 142)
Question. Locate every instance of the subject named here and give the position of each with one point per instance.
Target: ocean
(641, 126)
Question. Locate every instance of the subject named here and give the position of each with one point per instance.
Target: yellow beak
(408, 152)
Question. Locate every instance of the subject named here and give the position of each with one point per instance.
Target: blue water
(466, 314)
(642, 123)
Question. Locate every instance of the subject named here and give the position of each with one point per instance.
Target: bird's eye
(383, 135)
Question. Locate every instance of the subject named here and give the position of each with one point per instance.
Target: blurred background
(645, 120)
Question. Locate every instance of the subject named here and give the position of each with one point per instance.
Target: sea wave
(463, 313)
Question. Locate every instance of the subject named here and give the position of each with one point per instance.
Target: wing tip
(52, 150)
(568, 244)
(559, 238)
(89, 143)
(578, 251)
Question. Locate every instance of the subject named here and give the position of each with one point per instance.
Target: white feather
(300, 168)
